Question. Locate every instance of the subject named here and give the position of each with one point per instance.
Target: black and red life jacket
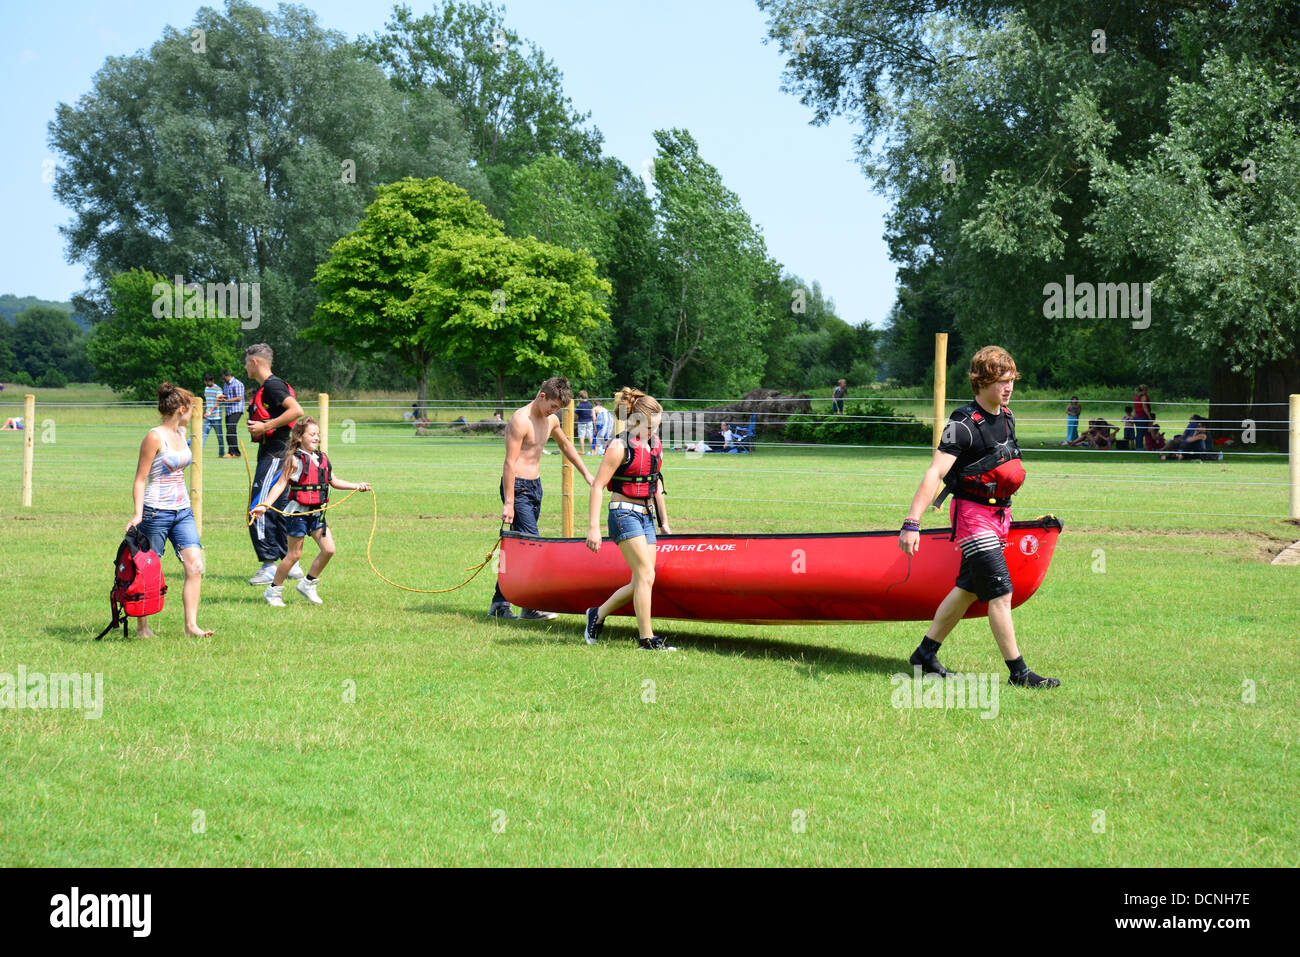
(138, 584)
(993, 473)
(258, 412)
(312, 486)
(639, 475)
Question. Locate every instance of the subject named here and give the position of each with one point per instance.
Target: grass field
(387, 728)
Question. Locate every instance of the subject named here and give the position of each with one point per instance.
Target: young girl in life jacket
(162, 504)
(309, 476)
(630, 467)
(978, 460)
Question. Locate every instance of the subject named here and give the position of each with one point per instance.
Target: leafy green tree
(709, 333)
(509, 95)
(365, 288)
(238, 150)
(136, 349)
(514, 307)
(8, 361)
(45, 338)
(996, 126)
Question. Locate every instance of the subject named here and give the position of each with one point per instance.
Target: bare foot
(196, 632)
(145, 632)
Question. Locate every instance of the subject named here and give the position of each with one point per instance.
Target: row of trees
(43, 345)
(1027, 142)
(249, 147)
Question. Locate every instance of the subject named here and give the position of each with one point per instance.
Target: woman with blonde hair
(162, 503)
(631, 467)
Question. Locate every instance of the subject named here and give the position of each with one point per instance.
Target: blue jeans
(217, 426)
(625, 523)
(300, 526)
(160, 524)
(528, 509)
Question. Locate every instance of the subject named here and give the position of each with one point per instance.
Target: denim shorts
(300, 526)
(160, 524)
(625, 523)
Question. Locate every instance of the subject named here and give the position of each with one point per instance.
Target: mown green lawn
(391, 728)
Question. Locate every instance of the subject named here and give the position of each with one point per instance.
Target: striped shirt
(234, 389)
(212, 407)
(166, 488)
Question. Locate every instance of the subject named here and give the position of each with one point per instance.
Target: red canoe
(830, 576)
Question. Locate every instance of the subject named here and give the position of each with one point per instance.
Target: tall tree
(710, 331)
(139, 346)
(510, 96)
(514, 307)
(238, 150)
(990, 122)
(366, 306)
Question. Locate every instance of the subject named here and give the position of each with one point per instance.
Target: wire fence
(77, 443)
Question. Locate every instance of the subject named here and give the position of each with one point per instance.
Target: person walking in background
(604, 422)
(582, 423)
(837, 397)
(1143, 420)
(232, 391)
(631, 468)
(162, 503)
(214, 413)
(271, 415)
(1072, 419)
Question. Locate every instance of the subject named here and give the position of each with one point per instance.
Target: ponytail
(173, 399)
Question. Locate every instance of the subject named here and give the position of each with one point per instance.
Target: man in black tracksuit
(271, 413)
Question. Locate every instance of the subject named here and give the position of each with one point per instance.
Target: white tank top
(166, 488)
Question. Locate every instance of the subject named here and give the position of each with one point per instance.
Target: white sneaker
(296, 572)
(265, 575)
(272, 595)
(308, 589)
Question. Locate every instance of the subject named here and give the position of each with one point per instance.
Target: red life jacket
(138, 585)
(638, 476)
(258, 412)
(995, 476)
(312, 486)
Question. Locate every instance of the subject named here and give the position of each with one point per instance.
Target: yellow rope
(374, 524)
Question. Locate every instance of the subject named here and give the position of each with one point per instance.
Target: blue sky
(699, 65)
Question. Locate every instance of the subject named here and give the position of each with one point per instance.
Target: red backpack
(138, 586)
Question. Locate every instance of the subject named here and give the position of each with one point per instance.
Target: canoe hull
(770, 578)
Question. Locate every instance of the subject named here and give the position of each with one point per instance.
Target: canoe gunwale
(1046, 521)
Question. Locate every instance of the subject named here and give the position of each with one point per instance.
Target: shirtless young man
(526, 435)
